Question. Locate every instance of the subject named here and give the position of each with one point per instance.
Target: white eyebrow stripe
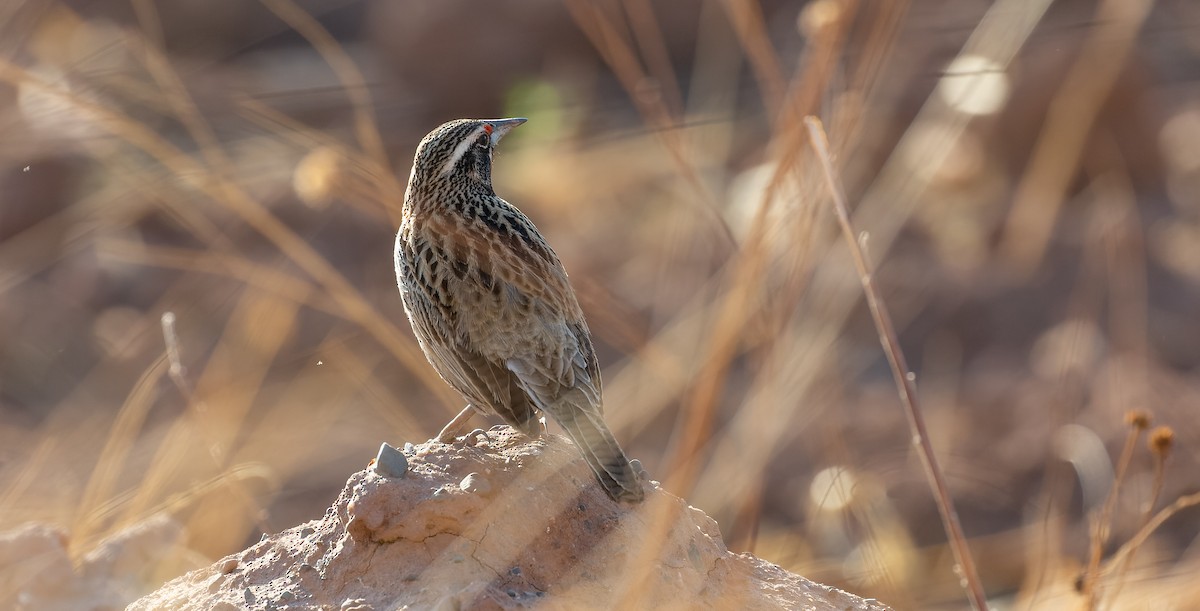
(461, 150)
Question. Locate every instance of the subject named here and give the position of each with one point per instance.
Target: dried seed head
(1138, 418)
(1161, 441)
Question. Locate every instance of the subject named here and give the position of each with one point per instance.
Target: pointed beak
(501, 127)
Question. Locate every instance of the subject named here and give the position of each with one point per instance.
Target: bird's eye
(484, 141)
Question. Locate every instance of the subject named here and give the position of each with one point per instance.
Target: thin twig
(235, 199)
(352, 79)
(748, 23)
(1102, 528)
(176, 371)
(1160, 448)
(1073, 111)
(605, 36)
(904, 380)
(1181, 503)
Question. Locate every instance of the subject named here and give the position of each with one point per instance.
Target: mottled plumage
(490, 303)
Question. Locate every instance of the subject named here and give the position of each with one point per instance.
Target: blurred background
(199, 317)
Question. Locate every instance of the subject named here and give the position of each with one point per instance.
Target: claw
(475, 437)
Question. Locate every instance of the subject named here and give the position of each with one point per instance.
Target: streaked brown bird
(490, 303)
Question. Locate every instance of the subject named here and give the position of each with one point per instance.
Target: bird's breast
(489, 270)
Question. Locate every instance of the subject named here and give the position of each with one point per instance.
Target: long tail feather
(601, 451)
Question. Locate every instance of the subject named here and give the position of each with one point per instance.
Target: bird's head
(459, 153)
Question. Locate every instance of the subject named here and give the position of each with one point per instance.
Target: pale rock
(543, 536)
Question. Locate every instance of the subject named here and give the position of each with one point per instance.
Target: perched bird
(490, 303)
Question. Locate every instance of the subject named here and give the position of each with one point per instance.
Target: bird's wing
(469, 373)
(484, 382)
(569, 374)
(571, 396)
(552, 320)
(542, 338)
(480, 380)
(542, 279)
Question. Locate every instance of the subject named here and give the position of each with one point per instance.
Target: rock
(543, 535)
(38, 572)
(475, 482)
(36, 563)
(390, 462)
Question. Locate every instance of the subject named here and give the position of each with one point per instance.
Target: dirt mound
(496, 523)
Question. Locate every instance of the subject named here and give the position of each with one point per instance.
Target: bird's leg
(455, 426)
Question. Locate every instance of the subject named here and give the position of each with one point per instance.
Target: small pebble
(228, 565)
(249, 596)
(476, 483)
(286, 596)
(390, 462)
(216, 583)
(356, 604)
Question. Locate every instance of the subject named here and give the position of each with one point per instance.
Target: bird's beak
(501, 127)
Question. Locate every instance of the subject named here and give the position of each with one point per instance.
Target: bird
(491, 306)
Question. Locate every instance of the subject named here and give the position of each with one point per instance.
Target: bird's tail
(586, 428)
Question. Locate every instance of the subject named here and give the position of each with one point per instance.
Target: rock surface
(496, 523)
(37, 572)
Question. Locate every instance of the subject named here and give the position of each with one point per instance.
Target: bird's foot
(637, 467)
(476, 437)
(533, 429)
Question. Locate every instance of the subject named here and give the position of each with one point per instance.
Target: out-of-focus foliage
(1026, 175)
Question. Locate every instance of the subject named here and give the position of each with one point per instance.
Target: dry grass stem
(905, 381)
(1068, 126)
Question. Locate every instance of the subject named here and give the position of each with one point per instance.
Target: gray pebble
(390, 462)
